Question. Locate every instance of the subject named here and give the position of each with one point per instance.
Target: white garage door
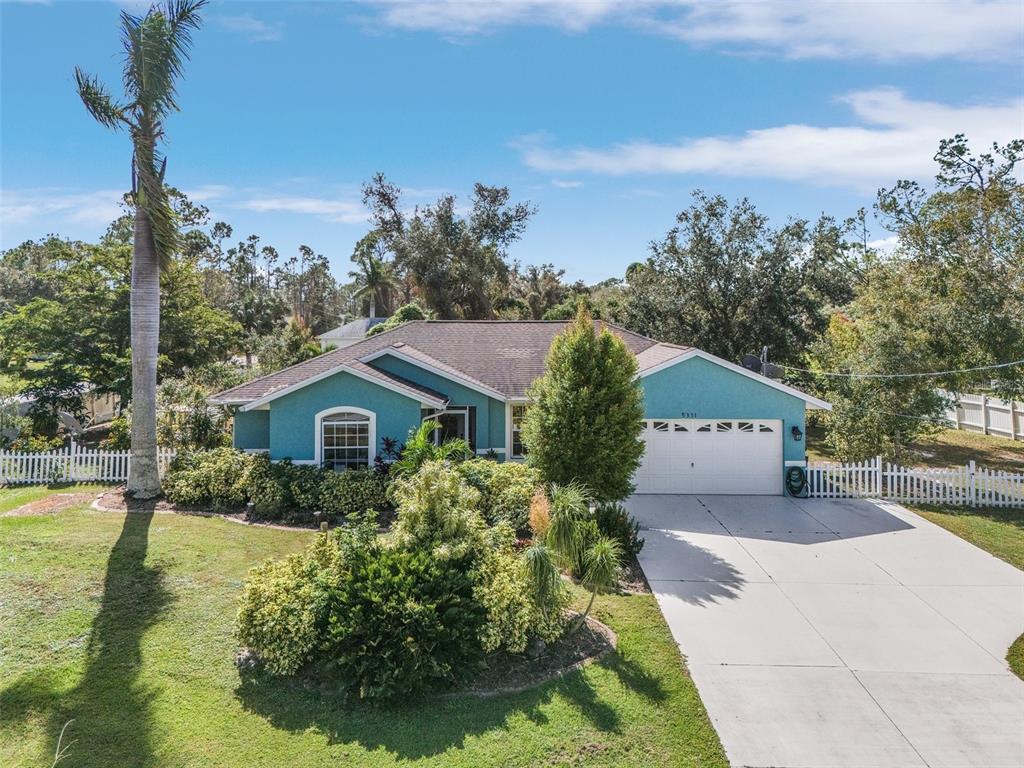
(697, 456)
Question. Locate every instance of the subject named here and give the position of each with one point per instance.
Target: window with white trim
(345, 440)
(518, 414)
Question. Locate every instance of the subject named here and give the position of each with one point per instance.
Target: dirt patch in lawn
(51, 504)
(507, 673)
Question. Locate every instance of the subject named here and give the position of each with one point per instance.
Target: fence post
(972, 487)
(878, 477)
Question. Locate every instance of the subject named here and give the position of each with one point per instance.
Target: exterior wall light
(797, 433)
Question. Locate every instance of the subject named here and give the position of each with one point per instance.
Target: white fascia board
(483, 389)
(343, 368)
(811, 400)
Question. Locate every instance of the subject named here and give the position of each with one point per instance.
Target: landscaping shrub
(404, 621)
(268, 489)
(618, 525)
(357, 490)
(438, 510)
(275, 488)
(217, 478)
(282, 610)
(540, 514)
(506, 489)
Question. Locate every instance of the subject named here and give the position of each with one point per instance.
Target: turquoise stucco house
(711, 426)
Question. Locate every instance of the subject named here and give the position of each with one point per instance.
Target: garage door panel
(741, 456)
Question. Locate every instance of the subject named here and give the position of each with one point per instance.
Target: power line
(900, 375)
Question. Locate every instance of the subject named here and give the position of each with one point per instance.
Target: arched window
(347, 438)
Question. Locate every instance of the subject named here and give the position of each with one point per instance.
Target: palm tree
(601, 570)
(156, 47)
(421, 448)
(375, 277)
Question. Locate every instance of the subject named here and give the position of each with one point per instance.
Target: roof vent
(398, 344)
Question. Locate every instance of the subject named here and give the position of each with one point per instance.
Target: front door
(454, 425)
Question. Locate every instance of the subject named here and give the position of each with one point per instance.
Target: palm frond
(601, 562)
(98, 101)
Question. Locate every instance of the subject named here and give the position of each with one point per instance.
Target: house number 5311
(688, 414)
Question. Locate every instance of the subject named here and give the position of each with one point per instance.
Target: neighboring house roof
(357, 329)
(499, 358)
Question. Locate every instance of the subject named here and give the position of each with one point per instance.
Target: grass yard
(11, 498)
(996, 530)
(948, 448)
(123, 624)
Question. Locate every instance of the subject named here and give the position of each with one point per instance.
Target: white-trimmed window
(346, 438)
(517, 414)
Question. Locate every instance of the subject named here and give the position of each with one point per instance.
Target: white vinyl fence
(987, 415)
(73, 464)
(967, 485)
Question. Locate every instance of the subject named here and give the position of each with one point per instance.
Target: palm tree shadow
(110, 708)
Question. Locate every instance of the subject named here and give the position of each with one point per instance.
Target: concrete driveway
(829, 634)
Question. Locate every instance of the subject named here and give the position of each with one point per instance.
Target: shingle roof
(505, 356)
(355, 330)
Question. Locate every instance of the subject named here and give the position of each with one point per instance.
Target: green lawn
(948, 448)
(123, 623)
(24, 494)
(999, 531)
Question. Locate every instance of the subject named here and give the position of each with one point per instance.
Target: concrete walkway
(839, 634)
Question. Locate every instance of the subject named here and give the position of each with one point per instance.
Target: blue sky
(605, 115)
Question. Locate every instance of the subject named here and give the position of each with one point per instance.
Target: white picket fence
(73, 464)
(968, 485)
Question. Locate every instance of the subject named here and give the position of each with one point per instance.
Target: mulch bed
(513, 674)
(49, 505)
(633, 580)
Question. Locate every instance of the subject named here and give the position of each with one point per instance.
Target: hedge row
(224, 479)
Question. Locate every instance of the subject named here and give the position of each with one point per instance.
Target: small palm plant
(601, 572)
(575, 541)
(421, 448)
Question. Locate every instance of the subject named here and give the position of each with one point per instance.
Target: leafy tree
(404, 314)
(584, 420)
(457, 265)
(294, 344)
(55, 358)
(724, 280)
(254, 300)
(312, 290)
(12, 422)
(964, 244)
(155, 46)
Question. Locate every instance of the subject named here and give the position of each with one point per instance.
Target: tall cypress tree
(586, 412)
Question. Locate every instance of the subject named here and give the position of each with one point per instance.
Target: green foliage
(404, 621)
(586, 412)
(346, 493)
(568, 511)
(614, 522)
(12, 423)
(506, 489)
(504, 592)
(404, 314)
(438, 511)
(295, 344)
(185, 420)
(457, 263)
(282, 611)
(726, 281)
(420, 449)
(217, 478)
(600, 569)
(91, 283)
(269, 487)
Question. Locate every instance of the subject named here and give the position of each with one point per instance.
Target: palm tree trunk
(583, 619)
(143, 475)
(373, 305)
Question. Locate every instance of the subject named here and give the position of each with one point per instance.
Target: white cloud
(964, 29)
(566, 183)
(895, 137)
(338, 211)
(207, 192)
(50, 205)
(256, 30)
